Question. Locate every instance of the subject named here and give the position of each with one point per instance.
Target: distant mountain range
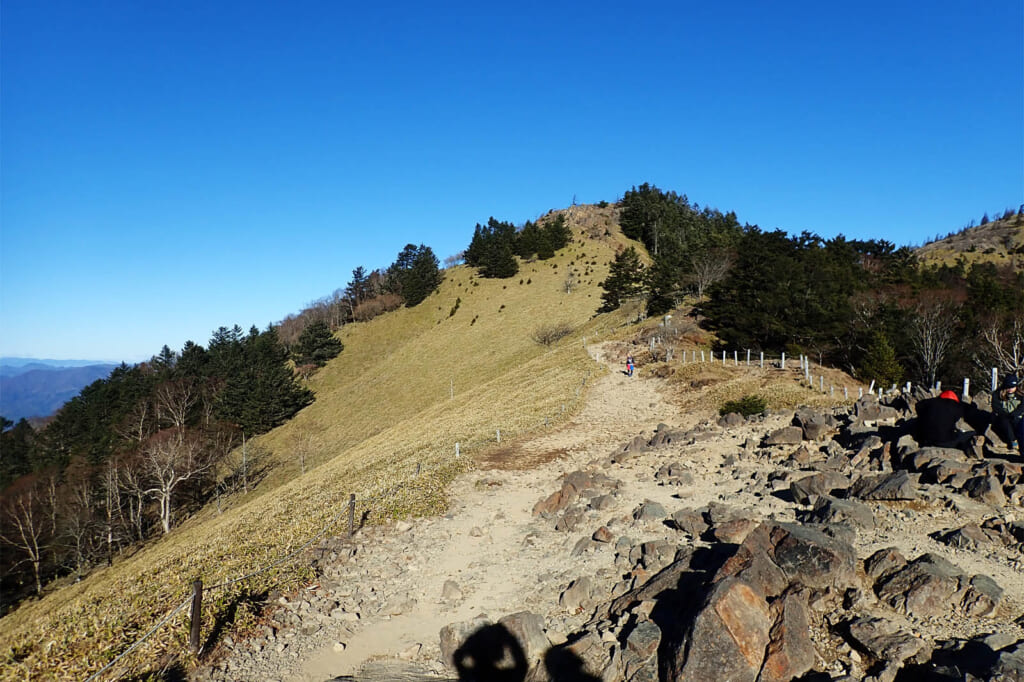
(31, 387)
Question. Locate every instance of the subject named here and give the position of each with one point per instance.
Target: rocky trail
(784, 553)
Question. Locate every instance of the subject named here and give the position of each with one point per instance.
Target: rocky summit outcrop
(809, 545)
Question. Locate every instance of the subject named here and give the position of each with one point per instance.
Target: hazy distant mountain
(37, 388)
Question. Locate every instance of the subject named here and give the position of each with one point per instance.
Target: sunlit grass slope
(389, 410)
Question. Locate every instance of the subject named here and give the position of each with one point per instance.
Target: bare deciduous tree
(169, 459)
(27, 527)
(709, 267)
(78, 520)
(1003, 345)
(131, 481)
(174, 401)
(932, 326)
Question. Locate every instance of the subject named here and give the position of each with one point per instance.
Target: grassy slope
(383, 413)
(1000, 242)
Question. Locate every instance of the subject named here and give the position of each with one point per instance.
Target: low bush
(548, 334)
(747, 405)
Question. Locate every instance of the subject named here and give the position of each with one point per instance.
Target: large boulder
(728, 637)
(930, 586)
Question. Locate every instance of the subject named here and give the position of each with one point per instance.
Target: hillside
(390, 409)
(1000, 242)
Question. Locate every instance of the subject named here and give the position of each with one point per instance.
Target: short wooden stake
(967, 388)
(736, 358)
(748, 357)
(499, 435)
(196, 616)
(783, 363)
(762, 359)
(995, 378)
(457, 455)
(351, 514)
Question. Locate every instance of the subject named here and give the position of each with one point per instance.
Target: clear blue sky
(170, 167)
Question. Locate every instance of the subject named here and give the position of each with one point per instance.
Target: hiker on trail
(1008, 413)
(629, 365)
(937, 419)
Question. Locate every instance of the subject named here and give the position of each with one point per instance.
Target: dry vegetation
(1000, 242)
(389, 410)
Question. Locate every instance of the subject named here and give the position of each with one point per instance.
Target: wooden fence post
(351, 514)
(196, 616)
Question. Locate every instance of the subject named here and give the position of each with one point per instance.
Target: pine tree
(625, 279)
(316, 345)
(879, 363)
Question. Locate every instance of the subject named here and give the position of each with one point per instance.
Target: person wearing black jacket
(937, 419)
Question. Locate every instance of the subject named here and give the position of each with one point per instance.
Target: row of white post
(805, 364)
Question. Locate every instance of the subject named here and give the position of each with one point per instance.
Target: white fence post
(967, 388)
(783, 363)
(762, 359)
(871, 388)
(457, 455)
(995, 378)
(736, 358)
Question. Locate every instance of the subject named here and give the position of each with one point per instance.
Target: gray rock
(895, 486)
(987, 489)
(649, 511)
(528, 630)
(454, 636)
(970, 536)
(884, 640)
(930, 586)
(731, 419)
(812, 558)
(788, 435)
(1009, 666)
(831, 510)
(806, 489)
(578, 596)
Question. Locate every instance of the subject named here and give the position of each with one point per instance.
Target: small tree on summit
(316, 345)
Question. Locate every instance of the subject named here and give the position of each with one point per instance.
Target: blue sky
(170, 167)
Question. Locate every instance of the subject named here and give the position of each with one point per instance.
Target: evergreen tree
(415, 274)
(16, 445)
(879, 363)
(493, 248)
(625, 279)
(265, 392)
(316, 345)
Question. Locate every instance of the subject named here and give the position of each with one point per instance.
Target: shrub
(378, 305)
(548, 334)
(746, 406)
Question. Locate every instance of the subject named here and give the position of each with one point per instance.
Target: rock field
(641, 543)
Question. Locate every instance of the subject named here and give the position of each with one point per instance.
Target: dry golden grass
(389, 411)
(707, 386)
(1000, 242)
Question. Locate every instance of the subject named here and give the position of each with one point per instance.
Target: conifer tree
(625, 279)
(316, 345)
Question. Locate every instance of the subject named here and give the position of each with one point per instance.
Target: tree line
(865, 306)
(133, 453)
